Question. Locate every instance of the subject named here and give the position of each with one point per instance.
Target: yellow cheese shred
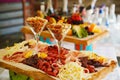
(71, 71)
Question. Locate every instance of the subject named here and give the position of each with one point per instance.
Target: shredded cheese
(18, 47)
(71, 71)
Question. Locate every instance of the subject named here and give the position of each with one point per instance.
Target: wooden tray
(20, 68)
(37, 74)
(85, 41)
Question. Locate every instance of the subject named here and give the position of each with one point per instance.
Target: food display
(79, 28)
(36, 25)
(75, 65)
(42, 61)
(58, 31)
(42, 57)
(82, 33)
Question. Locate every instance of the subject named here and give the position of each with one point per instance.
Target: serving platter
(37, 74)
(21, 68)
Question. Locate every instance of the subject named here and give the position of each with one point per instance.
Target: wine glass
(59, 31)
(36, 24)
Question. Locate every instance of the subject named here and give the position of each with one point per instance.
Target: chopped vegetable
(69, 33)
(52, 20)
(96, 30)
(92, 26)
(28, 53)
(40, 14)
(80, 32)
(60, 21)
(42, 55)
(16, 76)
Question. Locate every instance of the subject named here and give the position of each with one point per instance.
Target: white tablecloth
(104, 51)
(110, 53)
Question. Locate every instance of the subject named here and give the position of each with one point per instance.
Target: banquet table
(104, 51)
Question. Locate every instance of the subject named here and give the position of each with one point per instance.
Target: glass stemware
(36, 24)
(59, 31)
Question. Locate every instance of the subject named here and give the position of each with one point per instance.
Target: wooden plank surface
(5, 7)
(11, 22)
(10, 30)
(10, 7)
(13, 14)
(11, 17)
(24, 69)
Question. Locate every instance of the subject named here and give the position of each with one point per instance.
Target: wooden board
(37, 74)
(85, 41)
(24, 69)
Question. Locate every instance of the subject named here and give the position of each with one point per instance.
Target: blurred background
(14, 12)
